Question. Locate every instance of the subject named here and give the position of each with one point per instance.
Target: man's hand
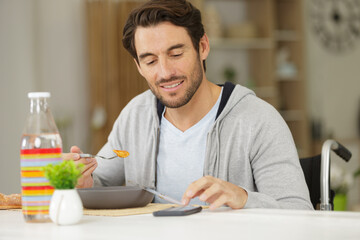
(216, 192)
(86, 181)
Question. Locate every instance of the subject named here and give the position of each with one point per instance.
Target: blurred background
(302, 56)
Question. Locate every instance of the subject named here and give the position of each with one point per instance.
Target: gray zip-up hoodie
(248, 145)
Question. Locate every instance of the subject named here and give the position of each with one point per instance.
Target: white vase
(65, 207)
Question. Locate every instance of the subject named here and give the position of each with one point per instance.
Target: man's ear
(138, 67)
(204, 47)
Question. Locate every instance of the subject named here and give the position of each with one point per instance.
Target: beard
(195, 81)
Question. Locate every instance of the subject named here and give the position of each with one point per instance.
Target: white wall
(62, 57)
(17, 77)
(333, 84)
(42, 48)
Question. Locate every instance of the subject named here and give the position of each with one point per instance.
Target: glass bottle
(40, 145)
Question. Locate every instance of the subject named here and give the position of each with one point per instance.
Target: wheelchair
(317, 174)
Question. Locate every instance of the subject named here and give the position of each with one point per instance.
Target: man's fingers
(197, 188)
(90, 165)
(213, 198)
(70, 156)
(211, 192)
(86, 181)
(216, 192)
(73, 155)
(88, 162)
(221, 200)
(75, 149)
(199, 185)
(89, 168)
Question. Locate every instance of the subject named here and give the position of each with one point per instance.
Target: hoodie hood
(229, 100)
(232, 96)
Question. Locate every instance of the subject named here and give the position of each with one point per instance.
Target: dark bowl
(114, 197)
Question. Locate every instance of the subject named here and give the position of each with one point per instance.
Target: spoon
(119, 153)
(86, 155)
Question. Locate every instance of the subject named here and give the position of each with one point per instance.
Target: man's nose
(166, 70)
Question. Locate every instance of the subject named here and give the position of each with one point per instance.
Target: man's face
(169, 63)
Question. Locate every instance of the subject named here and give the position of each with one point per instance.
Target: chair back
(311, 168)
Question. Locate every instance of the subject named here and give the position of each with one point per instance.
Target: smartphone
(178, 211)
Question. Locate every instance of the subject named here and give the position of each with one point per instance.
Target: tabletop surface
(219, 224)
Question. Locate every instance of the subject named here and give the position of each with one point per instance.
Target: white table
(222, 224)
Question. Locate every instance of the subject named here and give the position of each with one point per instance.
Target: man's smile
(171, 86)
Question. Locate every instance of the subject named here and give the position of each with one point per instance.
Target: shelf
(292, 115)
(206, 1)
(266, 92)
(287, 79)
(286, 36)
(279, 25)
(241, 43)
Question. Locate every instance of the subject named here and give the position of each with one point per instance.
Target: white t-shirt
(181, 156)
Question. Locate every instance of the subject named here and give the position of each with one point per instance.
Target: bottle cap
(38, 95)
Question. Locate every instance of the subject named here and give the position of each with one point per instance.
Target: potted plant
(357, 173)
(65, 206)
(340, 182)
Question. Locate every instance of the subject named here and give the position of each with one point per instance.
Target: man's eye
(150, 62)
(177, 55)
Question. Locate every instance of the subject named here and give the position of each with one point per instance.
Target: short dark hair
(178, 12)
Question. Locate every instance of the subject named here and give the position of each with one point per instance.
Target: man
(189, 138)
